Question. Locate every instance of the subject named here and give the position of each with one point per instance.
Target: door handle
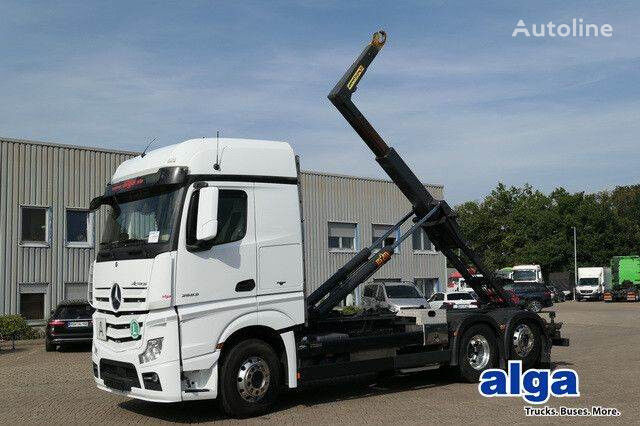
(246, 285)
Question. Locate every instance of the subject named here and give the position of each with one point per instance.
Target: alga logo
(577, 28)
(533, 385)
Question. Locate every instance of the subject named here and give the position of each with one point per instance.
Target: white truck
(592, 283)
(199, 284)
(527, 273)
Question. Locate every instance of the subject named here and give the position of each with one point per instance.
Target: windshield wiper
(130, 242)
(123, 243)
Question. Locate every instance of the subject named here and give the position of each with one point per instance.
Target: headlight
(152, 351)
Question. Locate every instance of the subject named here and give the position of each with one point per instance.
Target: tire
(250, 379)
(477, 341)
(526, 344)
(534, 306)
(48, 346)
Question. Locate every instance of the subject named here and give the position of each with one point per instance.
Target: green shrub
(14, 327)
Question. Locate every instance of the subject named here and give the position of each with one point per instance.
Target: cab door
(216, 285)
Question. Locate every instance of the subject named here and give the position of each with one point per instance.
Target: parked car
(556, 295)
(453, 300)
(69, 323)
(534, 296)
(393, 296)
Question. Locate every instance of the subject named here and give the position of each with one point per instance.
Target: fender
(458, 327)
(281, 324)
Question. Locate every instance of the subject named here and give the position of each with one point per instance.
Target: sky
(465, 103)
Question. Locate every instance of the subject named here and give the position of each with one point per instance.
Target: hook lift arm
(436, 217)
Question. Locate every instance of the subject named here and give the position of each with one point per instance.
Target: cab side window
(232, 219)
(232, 216)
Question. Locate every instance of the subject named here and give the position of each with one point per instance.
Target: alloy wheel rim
(253, 379)
(523, 340)
(478, 352)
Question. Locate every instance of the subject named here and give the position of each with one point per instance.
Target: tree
(521, 225)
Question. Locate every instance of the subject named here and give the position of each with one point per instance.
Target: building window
(34, 226)
(75, 291)
(33, 299)
(79, 232)
(421, 242)
(343, 236)
(378, 231)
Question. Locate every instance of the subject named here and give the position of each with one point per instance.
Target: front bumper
(588, 296)
(117, 367)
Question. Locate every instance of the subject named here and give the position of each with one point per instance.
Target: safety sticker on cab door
(153, 236)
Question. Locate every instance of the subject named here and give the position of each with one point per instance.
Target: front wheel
(249, 379)
(478, 352)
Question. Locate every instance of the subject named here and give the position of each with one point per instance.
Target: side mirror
(207, 217)
(96, 202)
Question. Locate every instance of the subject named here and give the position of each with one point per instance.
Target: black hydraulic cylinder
(367, 269)
(355, 279)
(338, 276)
(354, 263)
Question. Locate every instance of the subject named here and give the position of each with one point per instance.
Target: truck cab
(201, 239)
(527, 273)
(592, 283)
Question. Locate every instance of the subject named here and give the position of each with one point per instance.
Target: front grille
(119, 375)
(123, 339)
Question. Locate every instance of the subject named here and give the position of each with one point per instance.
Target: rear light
(547, 294)
(56, 323)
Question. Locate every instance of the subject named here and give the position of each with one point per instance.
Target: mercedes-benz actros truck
(199, 284)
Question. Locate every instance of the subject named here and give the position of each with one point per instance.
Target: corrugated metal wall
(57, 177)
(334, 198)
(61, 177)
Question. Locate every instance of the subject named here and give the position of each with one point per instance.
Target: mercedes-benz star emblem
(116, 297)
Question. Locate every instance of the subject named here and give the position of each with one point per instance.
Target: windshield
(524, 275)
(460, 296)
(588, 281)
(402, 292)
(145, 216)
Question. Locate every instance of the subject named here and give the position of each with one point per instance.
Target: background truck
(625, 279)
(199, 285)
(592, 283)
(527, 273)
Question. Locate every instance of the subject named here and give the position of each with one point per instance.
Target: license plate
(77, 324)
(100, 327)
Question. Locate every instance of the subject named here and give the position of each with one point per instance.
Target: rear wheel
(478, 352)
(249, 379)
(526, 344)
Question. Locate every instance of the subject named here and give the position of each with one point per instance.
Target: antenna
(147, 147)
(216, 165)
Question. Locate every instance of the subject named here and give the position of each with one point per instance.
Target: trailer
(199, 283)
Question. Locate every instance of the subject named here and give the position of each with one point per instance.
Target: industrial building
(49, 238)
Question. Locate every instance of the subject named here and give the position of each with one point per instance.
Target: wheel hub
(253, 379)
(478, 352)
(523, 340)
